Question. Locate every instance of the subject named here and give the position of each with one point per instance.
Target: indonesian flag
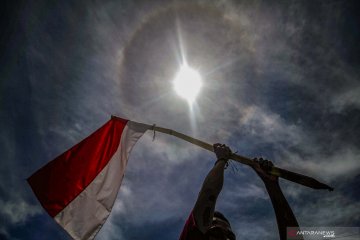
(79, 187)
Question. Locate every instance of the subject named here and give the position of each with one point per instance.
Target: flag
(78, 188)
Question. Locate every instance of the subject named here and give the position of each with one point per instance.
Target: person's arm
(284, 215)
(205, 205)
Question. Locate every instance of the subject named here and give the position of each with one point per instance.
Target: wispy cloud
(17, 211)
(334, 210)
(347, 98)
(248, 191)
(343, 162)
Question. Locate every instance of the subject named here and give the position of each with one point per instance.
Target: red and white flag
(79, 187)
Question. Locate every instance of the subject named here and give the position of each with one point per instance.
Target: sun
(187, 83)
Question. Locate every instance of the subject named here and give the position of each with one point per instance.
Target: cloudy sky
(280, 80)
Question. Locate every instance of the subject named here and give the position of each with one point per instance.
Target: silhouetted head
(220, 228)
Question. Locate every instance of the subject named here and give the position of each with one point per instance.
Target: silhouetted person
(204, 223)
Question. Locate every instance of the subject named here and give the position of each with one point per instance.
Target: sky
(280, 81)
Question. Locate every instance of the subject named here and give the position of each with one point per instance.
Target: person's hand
(262, 168)
(222, 151)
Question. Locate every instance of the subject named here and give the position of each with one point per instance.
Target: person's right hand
(222, 151)
(262, 168)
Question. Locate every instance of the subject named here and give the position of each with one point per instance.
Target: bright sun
(187, 83)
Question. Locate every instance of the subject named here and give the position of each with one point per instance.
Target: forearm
(215, 179)
(284, 215)
(211, 188)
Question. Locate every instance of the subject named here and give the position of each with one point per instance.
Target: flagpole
(275, 171)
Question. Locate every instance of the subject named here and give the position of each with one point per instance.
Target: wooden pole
(288, 175)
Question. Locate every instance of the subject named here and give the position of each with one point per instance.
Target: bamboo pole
(288, 175)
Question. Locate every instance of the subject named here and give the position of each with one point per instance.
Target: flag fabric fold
(79, 187)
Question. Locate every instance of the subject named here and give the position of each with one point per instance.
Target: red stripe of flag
(63, 179)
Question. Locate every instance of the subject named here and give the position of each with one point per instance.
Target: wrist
(271, 183)
(268, 179)
(222, 161)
